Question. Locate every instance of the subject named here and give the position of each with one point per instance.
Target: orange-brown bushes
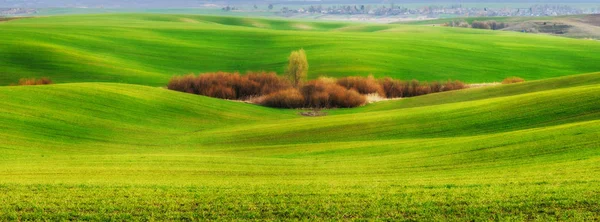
(230, 85)
(34, 81)
(219, 85)
(362, 85)
(454, 85)
(436, 86)
(423, 89)
(183, 84)
(288, 98)
(269, 89)
(325, 94)
(315, 94)
(394, 88)
(347, 99)
(513, 79)
(267, 83)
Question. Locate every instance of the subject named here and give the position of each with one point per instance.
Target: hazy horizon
(200, 3)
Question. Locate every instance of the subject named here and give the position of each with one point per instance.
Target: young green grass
(108, 151)
(148, 49)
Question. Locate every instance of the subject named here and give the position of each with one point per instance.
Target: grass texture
(111, 151)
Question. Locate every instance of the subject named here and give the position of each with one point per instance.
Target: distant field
(149, 48)
(116, 151)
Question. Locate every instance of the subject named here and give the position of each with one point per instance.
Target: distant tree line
(493, 25)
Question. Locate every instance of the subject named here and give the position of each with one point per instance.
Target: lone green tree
(297, 67)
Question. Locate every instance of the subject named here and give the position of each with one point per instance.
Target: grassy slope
(148, 49)
(99, 151)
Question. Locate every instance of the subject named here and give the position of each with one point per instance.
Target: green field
(110, 143)
(150, 48)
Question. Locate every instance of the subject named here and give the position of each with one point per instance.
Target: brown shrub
(422, 89)
(266, 83)
(271, 90)
(326, 94)
(397, 88)
(220, 91)
(289, 98)
(43, 81)
(435, 86)
(394, 88)
(362, 85)
(230, 85)
(413, 88)
(26, 81)
(182, 83)
(34, 81)
(454, 85)
(347, 99)
(513, 79)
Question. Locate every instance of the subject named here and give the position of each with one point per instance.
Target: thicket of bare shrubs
(513, 79)
(230, 85)
(34, 81)
(363, 85)
(288, 98)
(277, 91)
(397, 88)
(453, 85)
(478, 24)
(493, 25)
(461, 24)
(325, 94)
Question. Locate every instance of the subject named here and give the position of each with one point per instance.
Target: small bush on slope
(34, 81)
(396, 88)
(453, 85)
(513, 79)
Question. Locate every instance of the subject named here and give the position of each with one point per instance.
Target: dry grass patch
(34, 81)
(511, 80)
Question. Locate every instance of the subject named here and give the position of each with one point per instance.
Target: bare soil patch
(313, 113)
(587, 27)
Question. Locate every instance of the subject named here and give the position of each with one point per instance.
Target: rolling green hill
(100, 151)
(148, 49)
(109, 142)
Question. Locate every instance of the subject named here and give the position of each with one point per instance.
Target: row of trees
(493, 25)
